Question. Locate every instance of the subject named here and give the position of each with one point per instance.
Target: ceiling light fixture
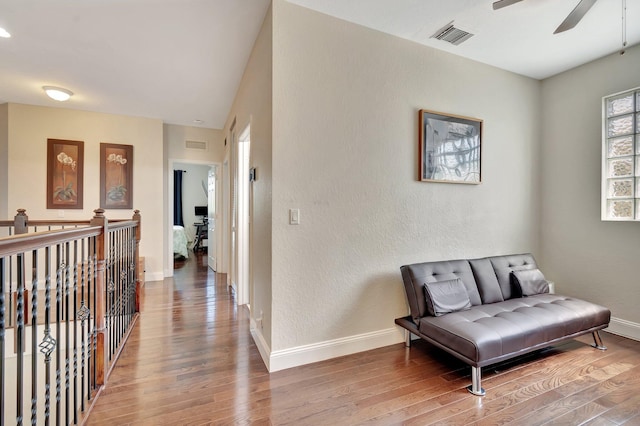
(57, 93)
(198, 121)
(4, 33)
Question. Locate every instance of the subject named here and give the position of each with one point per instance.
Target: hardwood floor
(191, 361)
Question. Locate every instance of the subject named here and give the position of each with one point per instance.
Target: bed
(180, 244)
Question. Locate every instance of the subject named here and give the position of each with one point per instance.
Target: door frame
(168, 269)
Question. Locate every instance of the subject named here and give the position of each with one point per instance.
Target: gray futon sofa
(488, 310)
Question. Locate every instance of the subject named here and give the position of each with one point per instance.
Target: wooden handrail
(23, 243)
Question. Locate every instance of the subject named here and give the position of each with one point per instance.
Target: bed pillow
(447, 296)
(530, 282)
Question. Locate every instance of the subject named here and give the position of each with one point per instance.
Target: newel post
(20, 221)
(136, 257)
(101, 252)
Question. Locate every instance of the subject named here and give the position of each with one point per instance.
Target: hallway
(187, 357)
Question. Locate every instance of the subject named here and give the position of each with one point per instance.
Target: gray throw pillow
(447, 296)
(530, 282)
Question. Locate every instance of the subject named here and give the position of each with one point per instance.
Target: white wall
(29, 127)
(345, 120)
(192, 193)
(585, 256)
(253, 105)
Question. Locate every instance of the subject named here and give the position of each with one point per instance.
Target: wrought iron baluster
(19, 330)
(48, 342)
(67, 339)
(59, 272)
(2, 334)
(75, 332)
(34, 337)
(82, 316)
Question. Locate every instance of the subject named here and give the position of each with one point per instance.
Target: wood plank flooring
(191, 361)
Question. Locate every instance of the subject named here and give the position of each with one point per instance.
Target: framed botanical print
(65, 172)
(116, 176)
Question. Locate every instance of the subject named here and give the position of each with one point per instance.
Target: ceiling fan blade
(575, 16)
(503, 3)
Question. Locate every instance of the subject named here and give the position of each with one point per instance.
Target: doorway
(196, 211)
(243, 215)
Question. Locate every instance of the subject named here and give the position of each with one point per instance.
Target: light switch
(294, 216)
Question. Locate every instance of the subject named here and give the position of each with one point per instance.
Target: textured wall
(253, 106)
(585, 256)
(346, 103)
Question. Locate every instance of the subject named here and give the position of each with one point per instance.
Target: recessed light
(57, 93)
(4, 33)
(198, 121)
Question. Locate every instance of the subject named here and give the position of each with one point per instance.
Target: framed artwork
(450, 148)
(116, 176)
(65, 170)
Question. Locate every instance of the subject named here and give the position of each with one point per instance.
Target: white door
(211, 234)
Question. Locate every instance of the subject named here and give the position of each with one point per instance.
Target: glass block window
(621, 157)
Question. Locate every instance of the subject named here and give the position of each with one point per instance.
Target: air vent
(451, 34)
(195, 145)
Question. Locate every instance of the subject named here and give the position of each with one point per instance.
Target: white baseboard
(153, 276)
(624, 328)
(301, 355)
(262, 345)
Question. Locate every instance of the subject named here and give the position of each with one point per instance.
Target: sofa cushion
(447, 296)
(416, 275)
(491, 331)
(504, 265)
(486, 280)
(530, 281)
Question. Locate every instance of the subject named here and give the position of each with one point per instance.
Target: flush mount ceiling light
(4, 33)
(57, 93)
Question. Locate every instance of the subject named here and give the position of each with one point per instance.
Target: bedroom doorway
(193, 239)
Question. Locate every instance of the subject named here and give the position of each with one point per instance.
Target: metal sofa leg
(597, 340)
(476, 379)
(407, 338)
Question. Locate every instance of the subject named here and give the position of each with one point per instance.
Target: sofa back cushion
(504, 265)
(488, 287)
(416, 275)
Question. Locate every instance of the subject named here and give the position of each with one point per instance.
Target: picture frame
(450, 148)
(116, 176)
(65, 173)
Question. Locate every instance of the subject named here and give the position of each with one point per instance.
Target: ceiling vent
(195, 145)
(451, 34)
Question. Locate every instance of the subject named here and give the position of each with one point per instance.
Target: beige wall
(4, 161)
(345, 108)
(585, 256)
(253, 105)
(175, 137)
(29, 127)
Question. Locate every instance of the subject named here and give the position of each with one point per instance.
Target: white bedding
(180, 244)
